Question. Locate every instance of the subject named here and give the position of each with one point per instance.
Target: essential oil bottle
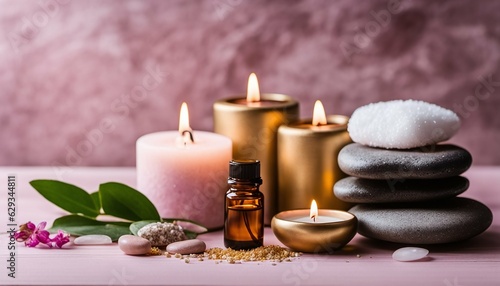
(244, 206)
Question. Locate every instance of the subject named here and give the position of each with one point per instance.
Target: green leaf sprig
(112, 199)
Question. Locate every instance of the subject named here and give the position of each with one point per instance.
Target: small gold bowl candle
(314, 231)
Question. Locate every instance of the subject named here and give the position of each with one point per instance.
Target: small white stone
(92, 239)
(410, 254)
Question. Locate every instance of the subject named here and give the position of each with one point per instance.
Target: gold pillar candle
(252, 125)
(310, 230)
(307, 160)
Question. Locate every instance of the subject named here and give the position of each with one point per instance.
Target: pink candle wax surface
(185, 180)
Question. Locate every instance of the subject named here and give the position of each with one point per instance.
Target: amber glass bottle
(244, 206)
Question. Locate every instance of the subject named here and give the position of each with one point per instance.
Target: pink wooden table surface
(473, 262)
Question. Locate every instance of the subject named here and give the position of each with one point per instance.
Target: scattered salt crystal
(402, 124)
(410, 254)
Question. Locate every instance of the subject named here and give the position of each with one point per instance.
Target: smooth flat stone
(431, 162)
(190, 246)
(402, 124)
(435, 222)
(134, 245)
(93, 239)
(358, 190)
(162, 233)
(410, 254)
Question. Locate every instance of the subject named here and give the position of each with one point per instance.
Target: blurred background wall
(80, 81)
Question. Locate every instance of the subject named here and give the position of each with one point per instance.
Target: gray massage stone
(430, 162)
(435, 222)
(357, 190)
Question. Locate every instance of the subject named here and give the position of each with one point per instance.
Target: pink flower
(25, 231)
(61, 238)
(32, 235)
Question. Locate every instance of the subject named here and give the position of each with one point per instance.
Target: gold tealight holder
(331, 231)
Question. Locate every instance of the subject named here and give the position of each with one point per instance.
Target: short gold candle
(253, 126)
(307, 162)
(314, 237)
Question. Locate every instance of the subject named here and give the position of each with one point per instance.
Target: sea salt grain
(162, 233)
(410, 254)
(402, 124)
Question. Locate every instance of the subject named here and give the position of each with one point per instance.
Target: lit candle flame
(184, 128)
(319, 115)
(314, 210)
(253, 93)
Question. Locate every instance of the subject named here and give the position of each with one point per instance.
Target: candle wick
(313, 218)
(190, 136)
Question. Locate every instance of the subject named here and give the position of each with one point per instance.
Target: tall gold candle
(252, 124)
(307, 160)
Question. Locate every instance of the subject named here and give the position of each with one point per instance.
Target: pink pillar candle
(185, 180)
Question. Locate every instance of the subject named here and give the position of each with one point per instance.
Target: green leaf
(188, 225)
(190, 234)
(80, 225)
(66, 196)
(125, 202)
(135, 226)
(97, 200)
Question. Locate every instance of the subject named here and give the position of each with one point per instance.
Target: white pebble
(402, 124)
(410, 254)
(92, 239)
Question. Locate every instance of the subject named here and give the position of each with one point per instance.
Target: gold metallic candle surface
(312, 236)
(307, 163)
(252, 126)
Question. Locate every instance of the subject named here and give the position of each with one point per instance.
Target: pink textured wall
(80, 81)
